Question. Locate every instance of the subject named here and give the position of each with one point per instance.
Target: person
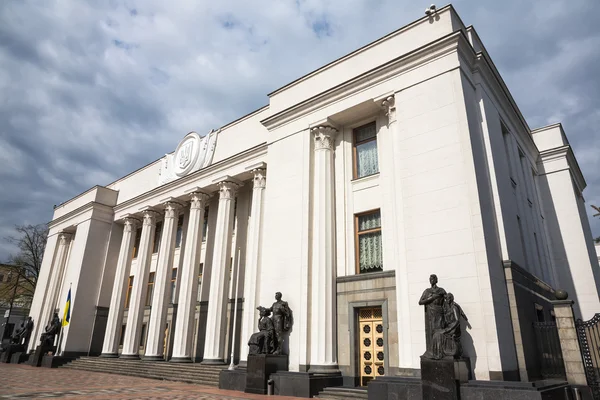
(433, 299)
(261, 342)
(281, 321)
(452, 314)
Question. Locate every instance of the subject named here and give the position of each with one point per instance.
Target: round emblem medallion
(186, 154)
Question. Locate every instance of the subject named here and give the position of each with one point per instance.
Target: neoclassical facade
(404, 158)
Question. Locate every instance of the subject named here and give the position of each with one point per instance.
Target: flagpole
(235, 294)
(62, 324)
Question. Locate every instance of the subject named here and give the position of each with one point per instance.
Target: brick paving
(26, 382)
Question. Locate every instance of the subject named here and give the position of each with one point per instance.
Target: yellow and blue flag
(67, 315)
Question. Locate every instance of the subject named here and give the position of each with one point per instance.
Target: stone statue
(24, 333)
(261, 342)
(50, 331)
(433, 299)
(452, 314)
(282, 316)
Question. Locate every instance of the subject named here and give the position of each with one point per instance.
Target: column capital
(197, 199)
(171, 205)
(227, 189)
(259, 179)
(149, 215)
(389, 105)
(324, 136)
(64, 237)
(130, 222)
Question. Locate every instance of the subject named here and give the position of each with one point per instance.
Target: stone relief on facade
(192, 154)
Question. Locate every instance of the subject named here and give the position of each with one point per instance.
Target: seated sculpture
(261, 342)
(50, 332)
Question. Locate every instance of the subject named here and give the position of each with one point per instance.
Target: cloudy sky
(90, 91)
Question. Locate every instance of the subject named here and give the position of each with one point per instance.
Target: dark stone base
(233, 379)
(439, 380)
(180, 360)
(19, 357)
(505, 390)
(259, 369)
(395, 387)
(109, 355)
(129, 356)
(9, 350)
(153, 358)
(35, 359)
(303, 384)
(55, 361)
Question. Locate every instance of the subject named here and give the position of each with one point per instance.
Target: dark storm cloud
(93, 91)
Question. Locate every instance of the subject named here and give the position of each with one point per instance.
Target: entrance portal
(371, 344)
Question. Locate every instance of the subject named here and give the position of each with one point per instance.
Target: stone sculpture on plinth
(265, 354)
(442, 365)
(46, 341)
(18, 342)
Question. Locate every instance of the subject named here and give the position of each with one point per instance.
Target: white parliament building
(354, 183)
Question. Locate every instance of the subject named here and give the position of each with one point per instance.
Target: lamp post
(12, 300)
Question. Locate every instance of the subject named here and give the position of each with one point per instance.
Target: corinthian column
(64, 239)
(115, 311)
(323, 351)
(162, 292)
(214, 345)
(188, 281)
(133, 330)
(249, 319)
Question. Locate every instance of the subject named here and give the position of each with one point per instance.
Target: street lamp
(12, 300)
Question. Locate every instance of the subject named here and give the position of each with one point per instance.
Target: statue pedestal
(260, 367)
(10, 350)
(19, 357)
(36, 358)
(440, 379)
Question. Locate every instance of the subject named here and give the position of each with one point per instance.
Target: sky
(90, 91)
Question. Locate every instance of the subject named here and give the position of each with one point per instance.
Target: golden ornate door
(371, 344)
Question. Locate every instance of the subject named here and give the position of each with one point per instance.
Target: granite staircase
(185, 372)
(343, 393)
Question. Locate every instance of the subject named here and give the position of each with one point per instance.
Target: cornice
(183, 181)
(91, 206)
(431, 51)
(565, 152)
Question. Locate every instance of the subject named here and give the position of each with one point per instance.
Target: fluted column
(214, 345)
(110, 347)
(60, 260)
(133, 330)
(250, 318)
(162, 284)
(323, 351)
(188, 281)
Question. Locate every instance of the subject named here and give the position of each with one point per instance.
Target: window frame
(150, 289)
(357, 235)
(354, 148)
(129, 290)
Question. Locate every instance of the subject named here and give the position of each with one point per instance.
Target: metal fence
(588, 334)
(552, 365)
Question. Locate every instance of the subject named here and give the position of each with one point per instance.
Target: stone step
(154, 367)
(196, 380)
(343, 393)
(165, 370)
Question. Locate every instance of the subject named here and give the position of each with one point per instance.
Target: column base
(129, 356)
(208, 361)
(180, 360)
(324, 369)
(109, 355)
(153, 358)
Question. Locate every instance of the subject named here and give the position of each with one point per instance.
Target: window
(365, 150)
(539, 313)
(369, 256)
(205, 226)
(136, 246)
(150, 289)
(122, 334)
(179, 234)
(143, 336)
(173, 282)
(129, 288)
(157, 235)
(523, 246)
(200, 282)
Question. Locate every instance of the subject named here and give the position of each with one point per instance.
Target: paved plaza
(26, 382)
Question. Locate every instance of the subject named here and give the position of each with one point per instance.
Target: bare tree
(24, 267)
